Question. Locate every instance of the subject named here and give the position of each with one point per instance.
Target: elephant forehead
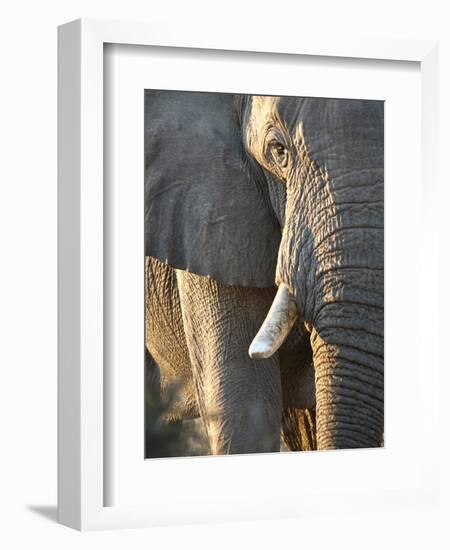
(262, 114)
(263, 107)
(332, 121)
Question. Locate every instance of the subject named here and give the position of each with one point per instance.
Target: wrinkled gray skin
(212, 238)
(327, 156)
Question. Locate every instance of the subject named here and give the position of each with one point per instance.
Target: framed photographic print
(233, 298)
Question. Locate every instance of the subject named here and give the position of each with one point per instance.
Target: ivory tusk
(277, 325)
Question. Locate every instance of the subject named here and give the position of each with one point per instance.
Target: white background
(28, 271)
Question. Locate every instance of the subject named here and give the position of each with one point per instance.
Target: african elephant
(328, 158)
(212, 235)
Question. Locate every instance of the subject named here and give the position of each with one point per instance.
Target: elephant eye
(279, 153)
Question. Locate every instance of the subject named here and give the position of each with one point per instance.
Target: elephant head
(327, 157)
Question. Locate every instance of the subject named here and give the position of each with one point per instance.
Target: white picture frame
(81, 410)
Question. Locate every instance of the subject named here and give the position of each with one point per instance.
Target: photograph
(250, 276)
(264, 273)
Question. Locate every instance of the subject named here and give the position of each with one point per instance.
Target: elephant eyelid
(279, 153)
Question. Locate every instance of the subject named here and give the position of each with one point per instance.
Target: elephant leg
(166, 343)
(240, 399)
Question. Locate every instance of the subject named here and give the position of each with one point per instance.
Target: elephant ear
(205, 212)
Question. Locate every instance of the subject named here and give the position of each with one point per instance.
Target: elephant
(212, 235)
(264, 216)
(328, 155)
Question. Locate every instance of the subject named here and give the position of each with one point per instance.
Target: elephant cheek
(293, 270)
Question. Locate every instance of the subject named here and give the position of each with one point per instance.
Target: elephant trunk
(277, 325)
(348, 360)
(347, 340)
